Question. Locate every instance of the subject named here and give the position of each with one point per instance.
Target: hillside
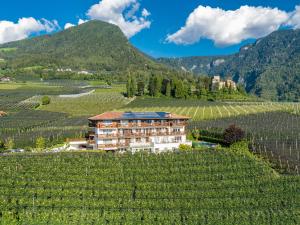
(93, 46)
(270, 67)
(195, 64)
(208, 186)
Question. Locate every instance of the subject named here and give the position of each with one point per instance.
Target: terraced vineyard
(199, 110)
(203, 187)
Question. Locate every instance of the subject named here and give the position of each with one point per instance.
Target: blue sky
(167, 17)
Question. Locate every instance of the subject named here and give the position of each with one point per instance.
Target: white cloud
(10, 31)
(294, 20)
(80, 21)
(145, 13)
(122, 13)
(69, 25)
(233, 26)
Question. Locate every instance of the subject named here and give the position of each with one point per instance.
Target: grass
(8, 49)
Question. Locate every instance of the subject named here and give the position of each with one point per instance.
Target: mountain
(269, 68)
(196, 64)
(92, 46)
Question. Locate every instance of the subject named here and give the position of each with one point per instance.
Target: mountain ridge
(269, 68)
(94, 45)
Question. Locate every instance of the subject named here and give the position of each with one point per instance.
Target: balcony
(140, 125)
(112, 146)
(135, 135)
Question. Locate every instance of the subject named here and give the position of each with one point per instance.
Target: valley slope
(269, 68)
(93, 46)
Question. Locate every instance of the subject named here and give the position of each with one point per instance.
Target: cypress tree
(168, 90)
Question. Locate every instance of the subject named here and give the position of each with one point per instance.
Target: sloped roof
(137, 115)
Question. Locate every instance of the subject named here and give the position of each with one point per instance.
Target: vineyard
(210, 187)
(63, 118)
(201, 110)
(273, 134)
(88, 105)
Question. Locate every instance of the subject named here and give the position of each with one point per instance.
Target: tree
(128, 87)
(157, 85)
(151, 86)
(40, 143)
(131, 86)
(46, 100)
(179, 89)
(9, 143)
(2, 146)
(233, 134)
(140, 88)
(168, 89)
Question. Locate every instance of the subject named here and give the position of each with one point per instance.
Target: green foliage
(40, 144)
(95, 46)
(183, 147)
(9, 143)
(46, 100)
(233, 134)
(131, 86)
(269, 67)
(79, 188)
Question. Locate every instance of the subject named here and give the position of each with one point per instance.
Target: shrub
(40, 143)
(233, 134)
(45, 100)
(9, 143)
(183, 147)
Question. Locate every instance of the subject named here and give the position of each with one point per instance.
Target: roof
(137, 115)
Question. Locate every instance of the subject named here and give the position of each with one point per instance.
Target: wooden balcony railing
(107, 146)
(147, 134)
(132, 125)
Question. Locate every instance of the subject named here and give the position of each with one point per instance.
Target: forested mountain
(270, 67)
(194, 64)
(93, 46)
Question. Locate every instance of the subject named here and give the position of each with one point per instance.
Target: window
(108, 141)
(176, 130)
(124, 122)
(177, 139)
(107, 122)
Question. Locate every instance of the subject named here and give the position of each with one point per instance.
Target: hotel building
(134, 131)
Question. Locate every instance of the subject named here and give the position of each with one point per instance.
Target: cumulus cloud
(69, 25)
(294, 20)
(10, 31)
(233, 26)
(123, 13)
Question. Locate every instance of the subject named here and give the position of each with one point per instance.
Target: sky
(160, 28)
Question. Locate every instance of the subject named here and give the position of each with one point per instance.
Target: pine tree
(168, 89)
(157, 85)
(128, 86)
(179, 89)
(133, 87)
(151, 86)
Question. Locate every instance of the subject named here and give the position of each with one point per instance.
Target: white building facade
(135, 131)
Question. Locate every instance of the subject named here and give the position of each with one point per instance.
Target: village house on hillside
(218, 84)
(5, 79)
(134, 131)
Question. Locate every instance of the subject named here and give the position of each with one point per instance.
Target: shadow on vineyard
(207, 186)
(274, 135)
